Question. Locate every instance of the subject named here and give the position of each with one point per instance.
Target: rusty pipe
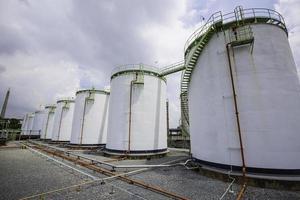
(237, 121)
(59, 127)
(83, 116)
(130, 107)
(47, 124)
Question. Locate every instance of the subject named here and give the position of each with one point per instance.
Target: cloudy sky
(49, 49)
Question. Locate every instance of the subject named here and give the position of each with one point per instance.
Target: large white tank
(137, 111)
(89, 125)
(38, 120)
(62, 125)
(252, 59)
(46, 133)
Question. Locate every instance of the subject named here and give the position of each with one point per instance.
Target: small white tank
(137, 112)
(38, 120)
(28, 128)
(46, 133)
(62, 125)
(24, 124)
(90, 117)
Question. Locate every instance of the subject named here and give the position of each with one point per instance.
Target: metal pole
(168, 124)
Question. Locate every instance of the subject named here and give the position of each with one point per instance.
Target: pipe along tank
(46, 133)
(90, 118)
(137, 112)
(243, 93)
(62, 125)
(38, 122)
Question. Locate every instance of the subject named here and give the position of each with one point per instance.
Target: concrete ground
(24, 173)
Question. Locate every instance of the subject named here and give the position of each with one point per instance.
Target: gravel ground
(195, 186)
(25, 174)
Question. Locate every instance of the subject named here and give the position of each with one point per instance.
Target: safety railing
(66, 99)
(141, 67)
(272, 16)
(213, 19)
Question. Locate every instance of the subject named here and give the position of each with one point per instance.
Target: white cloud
(36, 80)
(290, 11)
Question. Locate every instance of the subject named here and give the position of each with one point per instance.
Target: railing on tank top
(141, 67)
(250, 13)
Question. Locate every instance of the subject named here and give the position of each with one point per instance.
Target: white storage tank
(24, 124)
(29, 124)
(89, 125)
(38, 120)
(243, 93)
(46, 133)
(62, 125)
(137, 112)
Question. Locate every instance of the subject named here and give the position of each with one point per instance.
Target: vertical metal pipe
(59, 127)
(168, 124)
(130, 107)
(83, 116)
(236, 112)
(47, 124)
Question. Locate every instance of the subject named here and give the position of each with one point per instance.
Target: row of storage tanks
(243, 100)
(130, 119)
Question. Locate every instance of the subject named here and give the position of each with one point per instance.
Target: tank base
(45, 140)
(136, 154)
(259, 178)
(58, 142)
(85, 146)
(251, 170)
(26, 137)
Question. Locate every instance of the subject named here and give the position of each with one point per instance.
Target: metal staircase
(190, 63)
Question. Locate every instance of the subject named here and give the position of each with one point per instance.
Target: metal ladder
(190, 63)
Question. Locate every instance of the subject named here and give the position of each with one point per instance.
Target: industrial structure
(27, 124)
(38, 121)
(62, 125)
(24, 124)
(89, 125)
(137, 112)
(239, 118)
(4, 106)
(47, 129)
(240, 93)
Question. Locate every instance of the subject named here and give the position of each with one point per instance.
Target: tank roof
(92, 91)
(132, 68)
(50, 106)
(65, 99)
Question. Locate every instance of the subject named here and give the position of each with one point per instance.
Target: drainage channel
(91, 165)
